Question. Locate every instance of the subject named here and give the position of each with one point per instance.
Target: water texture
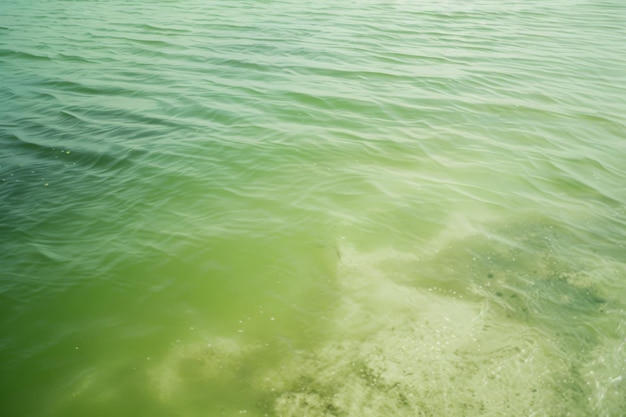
(338, 208)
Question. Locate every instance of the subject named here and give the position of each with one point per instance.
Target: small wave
(10, 54)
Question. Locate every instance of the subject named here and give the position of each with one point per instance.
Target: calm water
(355, 208)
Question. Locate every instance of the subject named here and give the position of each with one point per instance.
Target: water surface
(280, 208)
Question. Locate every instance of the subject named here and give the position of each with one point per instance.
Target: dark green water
(335, 208)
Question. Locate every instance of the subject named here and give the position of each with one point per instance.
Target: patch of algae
(428, 355)
(480, 327)
(446, 363)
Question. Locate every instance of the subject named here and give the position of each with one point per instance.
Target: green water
(336, 208)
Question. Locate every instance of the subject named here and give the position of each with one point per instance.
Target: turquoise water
(279, 208)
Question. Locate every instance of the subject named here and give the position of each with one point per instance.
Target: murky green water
(337, 208)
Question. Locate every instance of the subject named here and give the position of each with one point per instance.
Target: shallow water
(277, 208)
